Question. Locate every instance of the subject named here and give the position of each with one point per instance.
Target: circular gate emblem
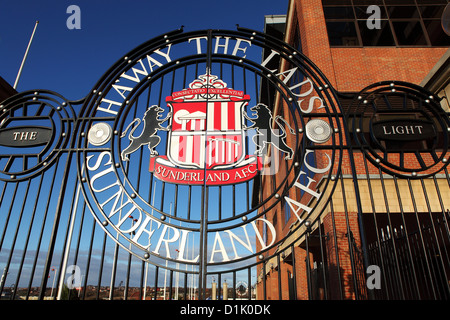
(194, 140)
(35, 128)
(401, 129)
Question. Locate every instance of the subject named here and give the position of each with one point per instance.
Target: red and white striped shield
(207, 132)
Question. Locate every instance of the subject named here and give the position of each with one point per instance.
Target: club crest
(207, 134)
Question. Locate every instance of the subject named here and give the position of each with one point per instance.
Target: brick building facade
(327, 261)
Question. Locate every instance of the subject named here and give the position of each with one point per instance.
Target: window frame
(420, 6)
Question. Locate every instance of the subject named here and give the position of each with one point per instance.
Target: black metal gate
(223, 165)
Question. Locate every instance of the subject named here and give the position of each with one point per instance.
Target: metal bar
(185, 285)
(14, 238)
(78, 246)
(54, 232)
(234, 285)
(101, 267)
(41, 233)
(322, 254)
(294, 272)
(204, 198)
(8, 215)
(141, 280)
(427, 263)
(88, 263)
(156, 283)
(372, 202)
(349, 239)
(280, 296)
(219, 281)
(388, 214)
(68, 239)
(264, 279)
(113, 270)
(336, 245)
(249, 281)
(308, 266)
(444, 219)
(410, 256)
(33, 214)
(358, 204)
(170, 284)
(434, 235)
(127, 278)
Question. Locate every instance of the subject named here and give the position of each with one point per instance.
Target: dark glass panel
(338, 13)
(342, 33)
(367, 2)
(436, 33)
(434, 12)
(409, 33)
(399, 2)
(376, 37)
(403, 12)
(432, 1)
(361, 12)
(336, 2)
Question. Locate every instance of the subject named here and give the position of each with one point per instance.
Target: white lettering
(272, 54)
(108, 109)
(174, 238)
(304, 94)
(225, 46)
(136, 79)
(184, 238)
(289, 75)
(246, 245)
(311, 104)
(142, 228)
(218, 240)
(165, 55)
(123, 88)
(237, 48)
(258, 234)
(296, 206)
(197, 40)
(314, 169)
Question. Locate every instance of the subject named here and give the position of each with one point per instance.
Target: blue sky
(70, 62)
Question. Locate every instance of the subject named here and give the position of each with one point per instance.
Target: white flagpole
(25, 56)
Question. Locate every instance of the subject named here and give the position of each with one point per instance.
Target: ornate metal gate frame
(195, 169)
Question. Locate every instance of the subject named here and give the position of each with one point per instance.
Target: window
(376, 37)
(409, 33)
(402, 23)
(342, 33)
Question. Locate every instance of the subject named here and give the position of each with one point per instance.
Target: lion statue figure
(265, 134)
(151, 124)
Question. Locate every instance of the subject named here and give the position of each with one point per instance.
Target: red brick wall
(356, 68)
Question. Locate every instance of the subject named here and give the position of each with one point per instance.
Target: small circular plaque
(99, 134)
(318, 131)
